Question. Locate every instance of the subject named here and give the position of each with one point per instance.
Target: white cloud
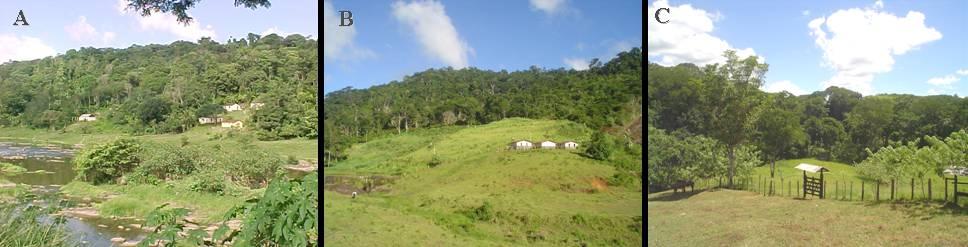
(962, 72)
(784, 85)
(81, 31)
(576, 63)
(168, 23)
(337, 40)
(687, 37)
(432, 26)
(19, 48)
(805, 12)
(879, 4)
(548, 6)
(859, 43)
(275, 30)
(946, 80)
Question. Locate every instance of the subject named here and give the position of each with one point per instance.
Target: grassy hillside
(741, 218)
(845, 175)
(541, 197)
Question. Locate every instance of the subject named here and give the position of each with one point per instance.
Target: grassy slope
(846, 174)
(535, 193)
(740, 218)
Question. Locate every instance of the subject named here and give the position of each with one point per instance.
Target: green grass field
(201, 135)
(537, 198)
(842, 176)
(743, 218)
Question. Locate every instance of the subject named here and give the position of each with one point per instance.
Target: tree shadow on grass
(923, 210)
(670, 196)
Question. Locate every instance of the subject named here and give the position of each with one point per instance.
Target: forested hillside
(165, 88)
(695, 112)
(605, 95)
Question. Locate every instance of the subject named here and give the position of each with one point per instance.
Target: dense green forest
(155, 88)
(705, 110)
(606, 95)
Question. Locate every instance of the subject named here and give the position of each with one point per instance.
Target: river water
(48, 168)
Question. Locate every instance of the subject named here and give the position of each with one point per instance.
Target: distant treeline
(835, 124)
(605, 95)
(164, 88)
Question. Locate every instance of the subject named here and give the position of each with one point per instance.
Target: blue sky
(391, 39)
(912, 47)
(58, 26)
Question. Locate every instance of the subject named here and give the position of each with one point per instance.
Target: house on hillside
(232, 107)
(87, 117)
(210, 120)
(232, 124)
(520, 145)
(256, 105)
(548, 145)
(569, 145)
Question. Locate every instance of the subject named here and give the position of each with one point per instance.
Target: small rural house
(87, 118)
(569, 145)
(232, 124)
(549, 145)
(256, 105)
(209, 120)
(521, 145)
(232, 107)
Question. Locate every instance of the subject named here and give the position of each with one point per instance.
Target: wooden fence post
(798, 188)
(912, 189)
(836, 189)
(929, 189)
(892, 189)
(877, 197)
(788, 188)
(850, 196)
(862, 190)
(945, 181)
(956, 189)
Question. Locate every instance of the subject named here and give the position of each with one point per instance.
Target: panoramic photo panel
(482, 123)
(159, 123)
(830, 123)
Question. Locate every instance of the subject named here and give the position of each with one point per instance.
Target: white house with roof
(210, 120)
(548, 145)
(569, 145)
(232, 107)
(88, 117)
(521, 145)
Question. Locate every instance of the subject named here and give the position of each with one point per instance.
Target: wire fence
(947, 189)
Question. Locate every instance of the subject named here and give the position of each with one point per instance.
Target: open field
(532, 198)
(202, 135)
(742, 218)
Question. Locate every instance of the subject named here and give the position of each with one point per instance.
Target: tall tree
(733, 99)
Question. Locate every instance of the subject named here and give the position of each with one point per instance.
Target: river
(48, 168)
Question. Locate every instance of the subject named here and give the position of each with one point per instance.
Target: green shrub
(252, 168)
(169, 162)
(210, 180)
(108, 162)
(483, 213)
(600, 147)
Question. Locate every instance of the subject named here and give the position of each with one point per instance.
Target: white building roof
(811, 168)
